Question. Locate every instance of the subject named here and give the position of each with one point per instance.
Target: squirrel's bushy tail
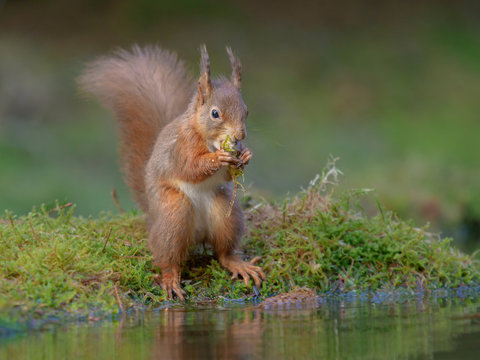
(145, 88)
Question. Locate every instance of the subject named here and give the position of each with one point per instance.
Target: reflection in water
(334, 330)
(207, 334)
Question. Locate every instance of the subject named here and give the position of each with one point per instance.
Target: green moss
(51, 260)
(234, 172)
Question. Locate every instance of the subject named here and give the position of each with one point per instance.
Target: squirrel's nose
(236, 139)
(240, 135)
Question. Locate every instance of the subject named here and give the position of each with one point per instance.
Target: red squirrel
(170, 135)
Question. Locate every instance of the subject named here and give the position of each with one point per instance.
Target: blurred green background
(391, 88)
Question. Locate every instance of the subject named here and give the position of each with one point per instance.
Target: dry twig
(106, 240)
(117, 203)
(118, 300)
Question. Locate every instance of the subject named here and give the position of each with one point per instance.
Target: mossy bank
(52, 261)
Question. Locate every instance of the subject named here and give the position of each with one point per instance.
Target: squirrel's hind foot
(170, 282)
(244, 269)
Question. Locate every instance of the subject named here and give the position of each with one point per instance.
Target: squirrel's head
(219, 105)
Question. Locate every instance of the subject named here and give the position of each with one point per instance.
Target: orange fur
(171, 230)
(227, 230)
(194, 162)
(171, 154)
(146, 89)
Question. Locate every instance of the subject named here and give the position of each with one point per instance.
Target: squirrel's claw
(245, 156)
(170, 282)
(255, 260)
(226, 159)
(174, 288)
(246, 270)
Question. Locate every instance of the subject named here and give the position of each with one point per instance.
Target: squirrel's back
(145, 88)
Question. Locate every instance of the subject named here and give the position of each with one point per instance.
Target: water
(336, 329)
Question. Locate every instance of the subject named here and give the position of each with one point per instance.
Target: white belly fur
(202, 196)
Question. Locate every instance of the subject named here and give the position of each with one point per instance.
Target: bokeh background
(390, 87)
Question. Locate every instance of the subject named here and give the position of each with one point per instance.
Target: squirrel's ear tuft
(236, 78)
(204, 83)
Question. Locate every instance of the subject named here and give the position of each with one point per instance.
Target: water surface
(335, 329)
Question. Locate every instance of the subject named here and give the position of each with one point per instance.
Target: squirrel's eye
(215, 114)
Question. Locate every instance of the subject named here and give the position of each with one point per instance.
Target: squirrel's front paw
(245, 156)
(226, 159)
